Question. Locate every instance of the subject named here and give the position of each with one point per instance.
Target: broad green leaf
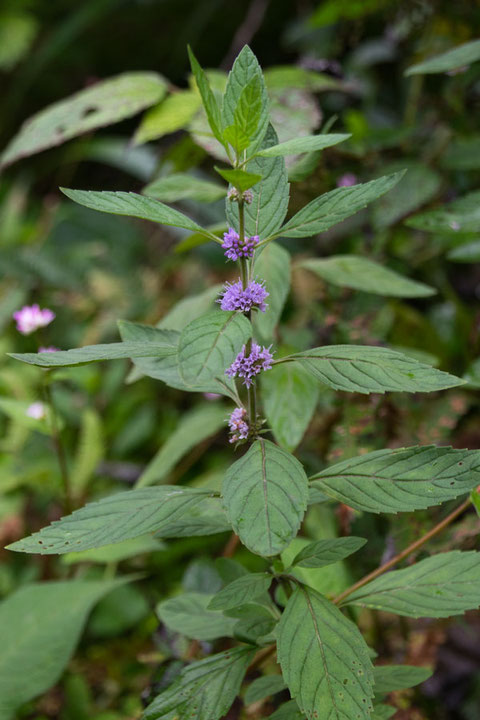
(467, 253)
(462, 153)
(241, 591)
(89, 451)
(382, 712)
(288, 77)
(266, 213)
(123, 550)
(245, 102)
(264, 687)
(181, 186)
(272, 266)
(190, 615)
(112, 519)
(189, 308)
(401, 480)
(289, 395)
(265, 495)
(257, 628)
(196, 239)
(94, 353)
(389, 678)
(133, 205)
(172, 114)
(451, 60)
(288, 711)
(331, 208)
(418, 187)
(240, 179)
(357, 272)
(439, 586)
(40, 625)
(209, 101)
(209, 345)
(367, 369)
(195, 427)
(324, 659)
(204, 690)
(206, 518)
(325, 552)
(102, 104)
(462, 216)
(303, 144)
(246, 117)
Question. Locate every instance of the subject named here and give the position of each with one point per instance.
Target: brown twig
(408, 550)
(261, 656)
(231, 546)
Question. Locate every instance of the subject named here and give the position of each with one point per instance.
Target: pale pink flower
(50, 348)
(31, 317)
(347, 180)
(36, 411)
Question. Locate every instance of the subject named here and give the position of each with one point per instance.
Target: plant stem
(408, 550)
(261, 656)
(59, 448)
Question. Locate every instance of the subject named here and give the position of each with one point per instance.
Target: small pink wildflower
(36, 411)
(31, 317)
(347, 180)
(50, 348)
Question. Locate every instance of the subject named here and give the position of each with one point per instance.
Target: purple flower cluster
(247, 367)
(31, 317)
(234, 249)
(234, 297)
(238, 425)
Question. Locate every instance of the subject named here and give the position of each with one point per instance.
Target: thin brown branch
(408, 551)
(246, 30)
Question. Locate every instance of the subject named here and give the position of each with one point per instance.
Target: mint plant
(323, 658)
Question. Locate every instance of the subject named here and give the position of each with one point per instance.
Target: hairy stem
(408, 551)
(59, 448)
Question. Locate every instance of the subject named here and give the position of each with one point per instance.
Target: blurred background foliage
(338, 62)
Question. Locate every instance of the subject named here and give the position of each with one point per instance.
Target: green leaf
(418, 186)
(462, 216)
(239, 178)
(289, 395)
(451, 60)
(401, 480)
(265, 495)
(462, 153)
(256, 628)
(467, 253)
(133, 205)
(440, 586)
(206, 518)
(324, 659)
(241, 591)
(209, 345)
(190, 615)
(382, 712)
(245, 103)
(367, 369)
(266, 213)
(196, 426)
(389, 678)
(112, 519)
(264, 687)
(204, 690)
(246, 116)
(325, 552)
(288, 711)
(94, 353)
(89, 451)
(272, 266)
(357, 272)
(189, 308)
(174, 113)
(181, 186)
(331, 208)
(40, 626)
(303, 144)
(123, 550)
(102, 104)
(208, 98)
